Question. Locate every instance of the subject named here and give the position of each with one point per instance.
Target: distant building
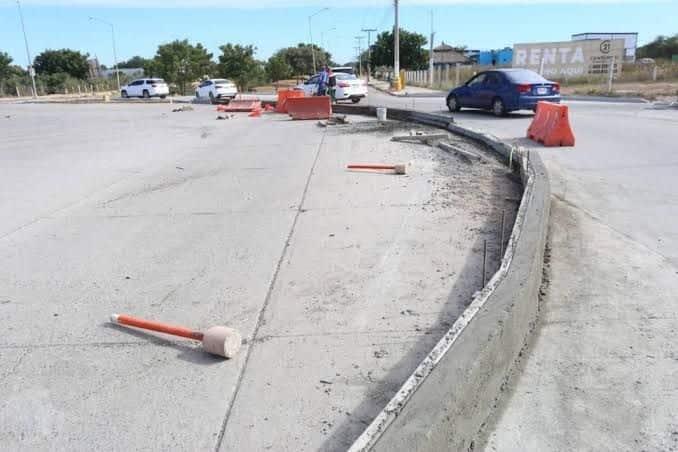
(445, 55)
(630, 41)
(472, 55)
(503, 57)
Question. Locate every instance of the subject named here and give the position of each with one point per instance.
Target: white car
(147, 87)
(218, 88)
(347, 87)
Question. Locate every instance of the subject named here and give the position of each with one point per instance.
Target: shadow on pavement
(188, 353)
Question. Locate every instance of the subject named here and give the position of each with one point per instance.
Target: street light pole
(31, 70)
(396, 49)
(369, 50)
(310, 34)
(115, 54)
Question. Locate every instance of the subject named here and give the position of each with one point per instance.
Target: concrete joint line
(253, 340)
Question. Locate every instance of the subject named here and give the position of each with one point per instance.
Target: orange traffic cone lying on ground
(217, 340)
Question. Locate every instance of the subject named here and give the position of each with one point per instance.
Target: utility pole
(396, 49)
(115, 53)
(430, 55)
(369, 50)
(360, 55)
(31, 70)
(310, 34)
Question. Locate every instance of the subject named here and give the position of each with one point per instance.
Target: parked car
(347, 87)
(218, 88)
(504, 90)
(344, 69)
(147, 87)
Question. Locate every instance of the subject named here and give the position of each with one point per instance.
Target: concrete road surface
(340, 282)
(602, 373)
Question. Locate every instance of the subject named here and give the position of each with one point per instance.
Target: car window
(477, 80)
(136, 83)
(220, 80)
(525, 76)
(344, 76)
(493, 79)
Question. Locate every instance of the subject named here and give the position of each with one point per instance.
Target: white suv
(147, 87)
(217, 88)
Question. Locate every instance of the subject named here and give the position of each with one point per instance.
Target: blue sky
(270, 25)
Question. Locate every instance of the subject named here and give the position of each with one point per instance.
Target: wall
(570, 58)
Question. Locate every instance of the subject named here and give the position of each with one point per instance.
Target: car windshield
(221, 80)
(343, 76)
(157, 80)
(525, 77)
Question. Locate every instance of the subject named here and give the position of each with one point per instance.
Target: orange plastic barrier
(551, 125)
(241, 105)
(285, 94)
(316, 107)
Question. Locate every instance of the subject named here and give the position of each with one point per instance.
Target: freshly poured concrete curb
(445, 402)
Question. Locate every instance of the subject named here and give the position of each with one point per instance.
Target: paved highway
(601, 372)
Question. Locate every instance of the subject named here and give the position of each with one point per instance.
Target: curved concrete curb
(448, 398)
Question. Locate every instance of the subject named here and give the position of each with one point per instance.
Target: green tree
(300, 58)
(277, 68)
(64, 61)
(413, 56)
(237, 63)
(180, 63)
(6, 70)
(660, 47)
(133, 63)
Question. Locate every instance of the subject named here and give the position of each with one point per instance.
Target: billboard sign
(570, 58)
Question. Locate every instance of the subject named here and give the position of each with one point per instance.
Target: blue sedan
(504, 90)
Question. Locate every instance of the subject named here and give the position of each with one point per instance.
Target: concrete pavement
(339, 281)
(601, 372)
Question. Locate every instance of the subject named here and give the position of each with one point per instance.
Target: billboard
(570, 58)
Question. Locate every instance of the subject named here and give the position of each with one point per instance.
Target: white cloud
(258, 4)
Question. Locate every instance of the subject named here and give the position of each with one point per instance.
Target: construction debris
(184, 108)
(457, 150)
(419, 137)
(334, 120)
(399, 168)
(217, 340)
(221, 117)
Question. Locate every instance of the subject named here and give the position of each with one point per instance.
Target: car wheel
(498, 107)
(212, 98)
(453, 103)
(146, 94)
(163, 96)
(123, 94)
(355, 100)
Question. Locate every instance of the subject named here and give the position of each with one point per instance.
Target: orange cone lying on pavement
(398, 168)
(255, 113)
(218, 340)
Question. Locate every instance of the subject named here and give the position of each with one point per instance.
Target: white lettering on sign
(535, 56)
(578, 56)
(563, 54)
(550, 56)
(521, 57)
